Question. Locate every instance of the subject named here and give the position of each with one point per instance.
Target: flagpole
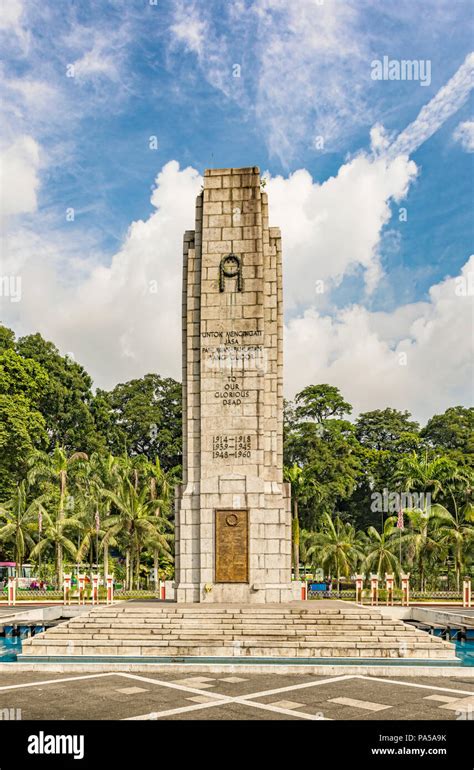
(40, 527)
(400, 526)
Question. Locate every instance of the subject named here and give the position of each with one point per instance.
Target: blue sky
(167, 69)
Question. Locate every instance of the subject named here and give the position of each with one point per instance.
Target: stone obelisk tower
(233, 518)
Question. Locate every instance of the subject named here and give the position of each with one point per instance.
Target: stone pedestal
(233, 517)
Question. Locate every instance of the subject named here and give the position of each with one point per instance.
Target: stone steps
(133, 633)
(255, 649)
(247, 628)
(164, 631)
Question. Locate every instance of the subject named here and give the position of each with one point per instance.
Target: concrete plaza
(234, 695)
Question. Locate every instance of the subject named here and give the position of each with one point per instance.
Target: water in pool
(10, 647)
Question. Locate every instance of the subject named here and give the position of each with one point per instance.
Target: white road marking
(57, 681)
(413, 684)
(360, 704)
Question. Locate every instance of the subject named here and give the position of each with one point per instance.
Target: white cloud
(98, 61)
(193, 29)
(417, 357)
(11, 25)
(305, 58)
(104, 311)
(19, 180)
(36, 95)
(447, 101)
(119, 329)
(11, 15)
(464, 134)
(311, 58)
(111, 319)
(330, 229)
(188, 28)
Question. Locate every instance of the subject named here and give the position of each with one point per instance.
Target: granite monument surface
(233, 518)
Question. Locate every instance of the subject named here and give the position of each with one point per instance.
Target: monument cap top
(228, 171)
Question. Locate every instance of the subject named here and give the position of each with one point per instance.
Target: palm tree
(307, 539)
(55, 537)
(136, 523)
(55, 468)
(303, 485)
(338, 547)
(457, 532)
(381, 549)
(161, 489)
(422, 536)
(18, 528)
(433, 525)
(422, 474)
(98, 473)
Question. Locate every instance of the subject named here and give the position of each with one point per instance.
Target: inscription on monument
(232, 547)
(232, 393)
(230, 357)
(235, 447)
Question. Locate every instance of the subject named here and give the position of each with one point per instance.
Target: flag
(400, 523)
(40, 521)
(97, 521)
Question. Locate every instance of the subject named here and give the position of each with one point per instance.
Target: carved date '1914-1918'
(231, 447)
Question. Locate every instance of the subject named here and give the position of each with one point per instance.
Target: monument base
(233, 535)
(152, 631)
(257, 593)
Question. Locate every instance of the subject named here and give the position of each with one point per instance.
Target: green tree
(457, 532)
(338, 547)
(302, 486)
(22, 427)
(18, 515)
(424, 474)
(422, 537)
(145, 418)
(56, 538)
(22, 431)
(330, 456)
(387, 429)
(135, 521)
(161, 495)
(381, 549)
(7, 338)
(66, 404)
(452, 432)
(320, 402)
(56, 468)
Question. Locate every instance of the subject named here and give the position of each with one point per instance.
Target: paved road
(42, 695)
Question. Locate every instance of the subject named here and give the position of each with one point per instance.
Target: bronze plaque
(232, 547)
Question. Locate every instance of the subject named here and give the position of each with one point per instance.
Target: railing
(397, 595)
(32, 595)
(24, 594)
(122, 593)
(334, 594)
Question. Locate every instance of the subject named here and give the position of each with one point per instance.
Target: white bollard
(359, 588)
(466, 592)
(374, 589)
(110, 589)
(405, 589)
(67, 588)
(95, 589)
(11, 591)
(389, 582)
(81, 583)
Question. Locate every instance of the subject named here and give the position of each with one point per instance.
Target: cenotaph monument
(233, 517)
